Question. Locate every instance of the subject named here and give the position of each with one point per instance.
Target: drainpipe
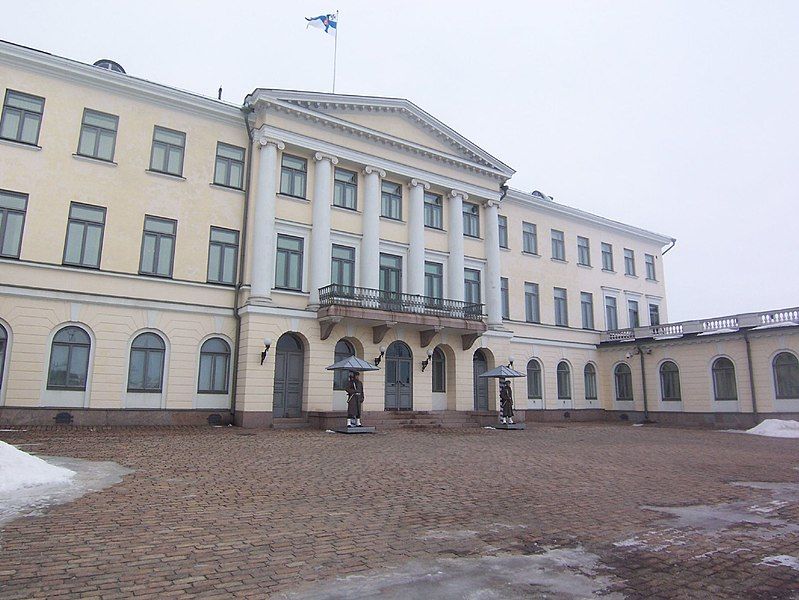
(673, 243)
(246, 112)
(751, 374)
(643, 383)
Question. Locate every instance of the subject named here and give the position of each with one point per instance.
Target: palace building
(171, 258)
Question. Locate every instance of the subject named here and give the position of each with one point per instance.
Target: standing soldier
(506, 401)
(354, 391)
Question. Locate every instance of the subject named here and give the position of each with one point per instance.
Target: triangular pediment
(395, 119)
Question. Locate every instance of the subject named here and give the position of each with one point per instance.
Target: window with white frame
(503, 231)
(607, 257)
(504, 297)
(632, 310)
(471, 286)
(288, 262)
(293, 176)
(434, 280)
(786, 376)
(558, 245)
(589, 379)
(583, 251)
(214, 367)
(12, 220)
(471, 220)
(69, 359)
(724, 385)
(649, 261)
(433, 211)
(342, 268)
(532, 306)
(391, 200)
(670, 382)
(529, 238)
(158, 246)
(345, 189)
(623, 377)
(223, 251)
(439, 365)
(587, 309)
(629, 262)
(564, 376)
(561, 307)
(611, 314)
(84, 241)
(535, 390)
(654, 314)
(146, 370)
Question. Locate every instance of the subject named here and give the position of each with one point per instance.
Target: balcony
(788, 317)
(383, 310)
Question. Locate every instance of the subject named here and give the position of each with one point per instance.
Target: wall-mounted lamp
(510, 361)
(267, 345)
(382, 354)
(426, 361)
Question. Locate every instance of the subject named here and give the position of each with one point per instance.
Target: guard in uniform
(506, 401)
(354, 391)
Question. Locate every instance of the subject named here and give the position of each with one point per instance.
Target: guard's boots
(503, 420)
(358, 423)
(510, 420)
(349, 422)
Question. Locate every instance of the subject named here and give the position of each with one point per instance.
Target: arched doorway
(399, 377)
(289, 367)
(480, 366)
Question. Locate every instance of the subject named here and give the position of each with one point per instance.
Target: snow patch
(781, 560)
(19, 470)
(776, 428)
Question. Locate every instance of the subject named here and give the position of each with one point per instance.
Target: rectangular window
(98, 135)
(22, 117)
(433, 211)
(611, 316)
(434, 280)
(558, 245)
(607, 257)
(587, 309)
(293, 176)
(168, 148)
(391, 200)
(654, 314)
(503, 231)
(288, 263)
(632, 310)
(471, 220)
(505, 297)
(650, 266)
(158, 246)
(229, 167)
(532, 307)
(471, 286)
(84, 235)
(390, 273)
(345, 189)
(629, 262)
(583, 251)
(530, 238)
(561, 308)
(223, 252)
(342, 270)
(12, 220)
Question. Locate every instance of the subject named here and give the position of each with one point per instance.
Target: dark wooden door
(480, 366)
(399, 377)
(289, 366)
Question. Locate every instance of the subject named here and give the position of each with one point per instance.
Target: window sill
(156, 275)
(221, 284)
(95, 160)
(472, 237)
(536, 254)
(652, 280)
(19, 144)
(58, 388)
(227, 188)
(504, 249)
(144, 392)
(80, 266)
(294, 198)
(559, 260)
(608, 270)
(290, 291)
(212, 393)
(353, 211)
(437, 229)
(631, 276)
(584, 266)
(392, 220)
(167, 175)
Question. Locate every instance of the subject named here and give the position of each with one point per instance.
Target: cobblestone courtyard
(223, 512)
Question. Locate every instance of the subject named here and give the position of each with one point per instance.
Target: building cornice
(530, 201)
(80, 73)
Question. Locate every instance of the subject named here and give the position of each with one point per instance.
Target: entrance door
(289, 359)
(480, 366)
(399, 380)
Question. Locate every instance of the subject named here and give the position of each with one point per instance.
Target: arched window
(146, 372)
(670, 382)
(535, 391)
(439, 371)
(589, 376)
(624, 383)
(343, 350)
(214, 367)
(786, 376)
(724, 387)
(564, 381)
(69, 359)
(3, 345)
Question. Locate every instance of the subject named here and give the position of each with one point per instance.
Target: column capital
(320, 156)
(492, 203)
(463, 195)
(262, 140)
(418, 182)
(368, 170)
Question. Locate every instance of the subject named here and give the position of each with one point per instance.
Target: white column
(416, 237)
(370, 244)
(319, 266)
(263, 235)
(493, 299)
(455, 263)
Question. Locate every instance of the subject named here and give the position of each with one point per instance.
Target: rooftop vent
(104, 63)
(538, 194)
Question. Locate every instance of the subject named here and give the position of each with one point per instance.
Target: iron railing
(347, 295)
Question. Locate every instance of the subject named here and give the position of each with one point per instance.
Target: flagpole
(335, 54)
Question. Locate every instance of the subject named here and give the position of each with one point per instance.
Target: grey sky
(680, 117)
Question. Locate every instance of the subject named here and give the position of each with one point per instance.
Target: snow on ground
(776, 428)
(19, 469)
(781, 560)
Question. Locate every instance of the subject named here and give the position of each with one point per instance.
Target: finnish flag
(324, 22)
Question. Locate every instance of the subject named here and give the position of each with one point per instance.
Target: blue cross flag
(325, 22)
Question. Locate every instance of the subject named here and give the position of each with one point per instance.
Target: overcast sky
(679, 117)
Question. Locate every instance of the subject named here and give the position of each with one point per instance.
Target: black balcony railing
(347, 295)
